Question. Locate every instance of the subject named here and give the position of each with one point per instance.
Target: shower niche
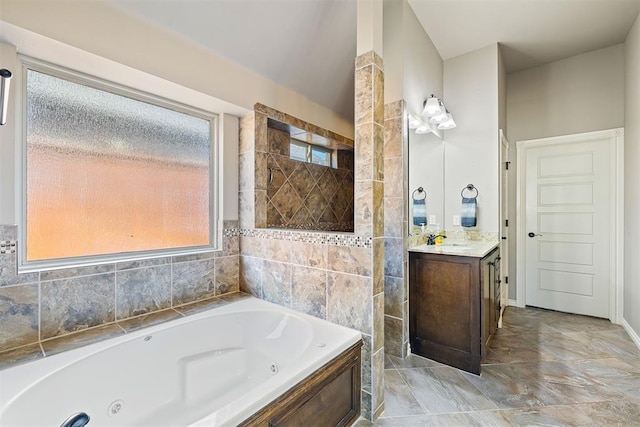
(307, 174)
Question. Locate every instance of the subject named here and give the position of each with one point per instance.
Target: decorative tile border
(8, 246)
(231, 232)
(333, 226)
(309, 237)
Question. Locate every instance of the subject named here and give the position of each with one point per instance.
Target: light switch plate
(432, 220)
(456, 220)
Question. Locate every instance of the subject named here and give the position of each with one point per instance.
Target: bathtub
(214, 368)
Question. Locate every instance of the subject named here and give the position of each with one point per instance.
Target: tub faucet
(79, 419)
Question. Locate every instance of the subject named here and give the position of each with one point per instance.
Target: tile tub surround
(336, 276)
(36, 307)
(89, 336)
(322, 274)
(543, 368)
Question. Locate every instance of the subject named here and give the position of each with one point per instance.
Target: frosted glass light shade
(423, 129)
(447, 124)
(414, 123)
(440, 118)
(432, 107)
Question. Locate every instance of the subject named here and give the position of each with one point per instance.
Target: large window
(112, 173)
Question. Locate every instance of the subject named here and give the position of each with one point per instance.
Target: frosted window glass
(320, 157)
(108, 174)
(298, 151)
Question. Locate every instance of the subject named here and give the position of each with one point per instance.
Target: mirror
(426, 170)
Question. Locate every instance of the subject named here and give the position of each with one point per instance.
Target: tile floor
(543, 368)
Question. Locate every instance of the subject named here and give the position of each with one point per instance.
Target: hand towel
(468, 212)
(419, 211)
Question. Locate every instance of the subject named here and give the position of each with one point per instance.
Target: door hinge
(504, 237)
(506, 164)
(506, 222)
(506, 280)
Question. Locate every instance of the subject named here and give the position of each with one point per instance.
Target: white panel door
(567, 225)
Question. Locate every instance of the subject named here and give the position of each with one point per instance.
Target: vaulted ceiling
(309, 45)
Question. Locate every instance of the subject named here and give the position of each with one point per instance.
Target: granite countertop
(468, 248)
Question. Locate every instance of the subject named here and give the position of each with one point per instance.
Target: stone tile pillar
(395, 230)
(252, 171)
(369, 211)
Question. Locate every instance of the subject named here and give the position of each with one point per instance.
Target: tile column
(253, 170)
(395, 229)
(369, 211)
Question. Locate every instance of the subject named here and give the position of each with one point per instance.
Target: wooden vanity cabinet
(453, 307)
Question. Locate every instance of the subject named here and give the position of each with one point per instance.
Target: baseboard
(512, 303)
(634, 336)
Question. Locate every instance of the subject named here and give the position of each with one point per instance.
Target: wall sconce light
(435, 116)
(432, 107)
(5, 79)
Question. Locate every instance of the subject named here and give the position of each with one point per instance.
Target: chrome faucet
(79, 419)
(431, 238)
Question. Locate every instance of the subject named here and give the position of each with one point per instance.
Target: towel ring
(418, 190)
(470, 187)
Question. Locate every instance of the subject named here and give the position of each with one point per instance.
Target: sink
(448, 247)
(455, 246)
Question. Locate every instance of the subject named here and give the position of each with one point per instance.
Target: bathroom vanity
(454, 301)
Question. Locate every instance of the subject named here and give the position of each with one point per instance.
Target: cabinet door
(497, 292)
(490, 275)
(444, 309)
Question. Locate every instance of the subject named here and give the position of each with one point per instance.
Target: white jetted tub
(215, 368)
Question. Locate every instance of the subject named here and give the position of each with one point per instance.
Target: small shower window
(112, 173)
(309, 153)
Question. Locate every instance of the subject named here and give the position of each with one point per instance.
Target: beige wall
(558, 99)
(413, 66)
(8, 151)
(471, 149)
(578, 94)
(414, 71)
(423, 76)
(502, 93)
(423, 66)
(106, 31)
(632, 176)
(393, 50)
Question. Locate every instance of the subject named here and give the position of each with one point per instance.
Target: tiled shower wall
(36, 307)
(306, 196)
(338, 277)
(396, 301)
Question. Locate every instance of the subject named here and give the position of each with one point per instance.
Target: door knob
(532, 234)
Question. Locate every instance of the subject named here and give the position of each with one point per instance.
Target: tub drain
(274, 368)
